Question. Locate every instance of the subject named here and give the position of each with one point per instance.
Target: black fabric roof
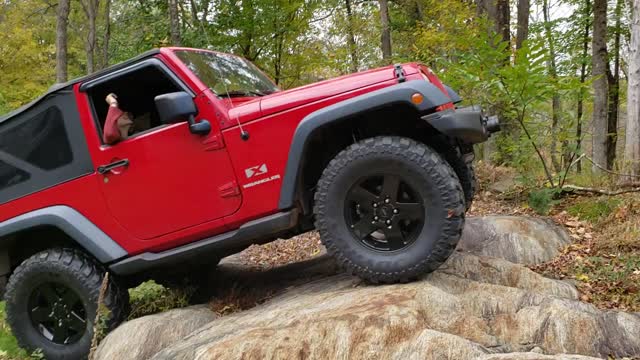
(57, 87)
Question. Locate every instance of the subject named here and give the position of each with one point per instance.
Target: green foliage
(9, 348)
(594, 210)
(542, 200)
(150, 298)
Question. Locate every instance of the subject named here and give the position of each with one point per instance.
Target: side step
(248, 234)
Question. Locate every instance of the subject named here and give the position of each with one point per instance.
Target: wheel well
(19, 246)
(326, 142)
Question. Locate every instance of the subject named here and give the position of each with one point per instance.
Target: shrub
(542, 200)
(151, 298)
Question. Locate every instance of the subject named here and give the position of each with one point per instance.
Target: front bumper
(466, 124)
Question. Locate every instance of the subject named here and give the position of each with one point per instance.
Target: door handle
(103, 169)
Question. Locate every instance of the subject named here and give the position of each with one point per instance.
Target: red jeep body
(180, 194)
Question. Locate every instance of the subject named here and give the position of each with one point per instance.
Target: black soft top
(57, 87)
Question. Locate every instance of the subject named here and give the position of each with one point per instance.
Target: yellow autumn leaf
(582, 277)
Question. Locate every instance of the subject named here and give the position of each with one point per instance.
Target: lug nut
(375, 205)
(352, 226)
(395, 211)
(386, 200)
(389, 227)
(388, 222)
(375, 218)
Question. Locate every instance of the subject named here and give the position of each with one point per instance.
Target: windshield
(227, 75)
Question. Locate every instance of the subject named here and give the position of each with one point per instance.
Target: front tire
(51, 303)
(389, 209)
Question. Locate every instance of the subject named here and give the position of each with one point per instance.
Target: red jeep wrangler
(379, 162)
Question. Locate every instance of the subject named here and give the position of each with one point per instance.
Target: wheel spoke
(363, 228)
(77, 323)
(40, 314)
(394, 237)
(70, 298)
(390, 186)
(49, 293)
(361, 196)
(59, 334)
(410, 211)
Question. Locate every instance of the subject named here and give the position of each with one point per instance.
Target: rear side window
(42, 145)
(40, 141)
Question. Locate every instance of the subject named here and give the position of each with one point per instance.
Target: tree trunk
(632, 138)
(351, 38)
(583, 79)
(614, 91)
(556, 105)
(523, 22)
(61, 40)
(502, 19)
(386, 30)
(174, 21)
(600, 85)
(90, 8)
(106, 36)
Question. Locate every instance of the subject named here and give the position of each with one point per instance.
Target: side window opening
(40, 141)
(136, 92)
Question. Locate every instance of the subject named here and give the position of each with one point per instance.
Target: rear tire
(51, 303)
(389, 209)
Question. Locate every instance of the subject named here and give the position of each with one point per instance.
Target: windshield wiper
(241, 93)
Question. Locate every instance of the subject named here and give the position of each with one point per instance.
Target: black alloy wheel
(384, 212)
(58, 313)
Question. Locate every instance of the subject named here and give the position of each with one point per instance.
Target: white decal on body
(261, 181)
(256, 171)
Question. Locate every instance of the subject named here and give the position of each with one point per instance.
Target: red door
(169, 180)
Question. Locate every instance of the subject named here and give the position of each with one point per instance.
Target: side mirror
(175, 107)
(179, 106)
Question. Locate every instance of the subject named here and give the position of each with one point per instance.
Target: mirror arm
(201, 128)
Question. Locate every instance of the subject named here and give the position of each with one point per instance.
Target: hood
(292, 98)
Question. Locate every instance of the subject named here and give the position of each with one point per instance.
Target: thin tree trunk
(351, 38)
(90, 8)
(614, 91)
(632, 138)
(502, 19)
(522, 33)
(583, 78)
(106, 36)
(386, 30)
(174, 21)
(556, 105)
(600, 85)
(61, 40)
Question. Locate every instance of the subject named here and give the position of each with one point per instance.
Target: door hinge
(229, 190)
(213, 142)
(399, 71)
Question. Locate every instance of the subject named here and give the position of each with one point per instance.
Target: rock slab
(474, 307)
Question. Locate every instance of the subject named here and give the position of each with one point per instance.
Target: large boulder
(143, 337)
(521, 240)
(473, 307)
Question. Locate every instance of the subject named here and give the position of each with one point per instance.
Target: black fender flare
(71, 222)
(389, 96)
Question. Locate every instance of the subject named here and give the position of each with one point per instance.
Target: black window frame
(151, 62)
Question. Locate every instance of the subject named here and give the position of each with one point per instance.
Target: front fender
(389, 96)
